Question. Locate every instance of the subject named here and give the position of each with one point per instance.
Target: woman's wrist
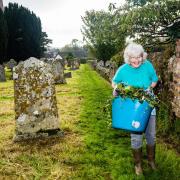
(114, 85)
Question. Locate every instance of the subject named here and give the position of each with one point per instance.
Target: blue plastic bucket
(130, 114)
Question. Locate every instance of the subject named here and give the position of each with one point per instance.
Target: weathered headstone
(2, 74)
(58, 71)
(77, 63)
(107, 64)
(36, 110)
(11, 63)
(73, 65)
(101, 63)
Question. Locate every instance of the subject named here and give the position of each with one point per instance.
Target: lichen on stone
(35, 100)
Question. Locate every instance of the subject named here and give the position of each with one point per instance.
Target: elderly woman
(139, 72)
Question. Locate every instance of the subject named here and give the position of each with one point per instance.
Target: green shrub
(83, 60)
(118, 58)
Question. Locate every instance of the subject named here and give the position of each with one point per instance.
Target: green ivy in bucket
(137, 93)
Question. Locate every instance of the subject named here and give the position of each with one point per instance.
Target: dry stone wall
(176, 80)
(106, 70)
(168, 69)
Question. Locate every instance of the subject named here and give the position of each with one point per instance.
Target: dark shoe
(151, 156)
(137, 154)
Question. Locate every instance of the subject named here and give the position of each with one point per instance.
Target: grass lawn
(89, 149)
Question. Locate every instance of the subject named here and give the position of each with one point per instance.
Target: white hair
(134, 50)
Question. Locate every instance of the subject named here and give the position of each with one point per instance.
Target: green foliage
(44, 42)
(168, 125)
(8, 74)
(69, 56)
(83, 60)
(148, 22)
(174, 30)
(163, 119)
(137, 2)
(102, 34)
(3, 37)
(25, 33)
(137, 93)
(76, 48)
(118, 58)
(104, 51)
(152, 22)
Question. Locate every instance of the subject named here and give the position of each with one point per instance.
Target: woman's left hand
(149, 91)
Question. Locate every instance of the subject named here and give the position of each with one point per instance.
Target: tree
(76, 48)
(69, 56)
(152, 22)
(148, 22)
(101, 34)
(74, 43)
(25, 33)
(3, 37)
(133, 3)
(44, 42)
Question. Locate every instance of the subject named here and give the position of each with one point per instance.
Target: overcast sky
(61, 19)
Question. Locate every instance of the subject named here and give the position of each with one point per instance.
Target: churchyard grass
(89, 149)
(8, 73)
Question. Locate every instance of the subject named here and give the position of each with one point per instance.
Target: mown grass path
(90, 149)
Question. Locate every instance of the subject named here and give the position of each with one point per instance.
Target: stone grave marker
(36, 112)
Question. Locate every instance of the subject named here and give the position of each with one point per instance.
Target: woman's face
(136, 61)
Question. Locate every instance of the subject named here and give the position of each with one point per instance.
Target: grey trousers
(150, 134)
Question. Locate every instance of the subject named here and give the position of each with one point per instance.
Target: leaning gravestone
(73, 65)
(58, 71)
(36, 111)
(77, 63)
(2, 74)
